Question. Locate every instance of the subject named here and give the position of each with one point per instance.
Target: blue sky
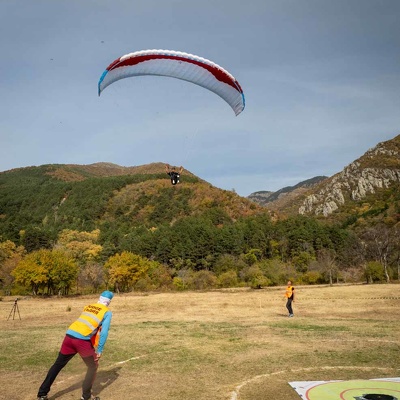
(321, 80)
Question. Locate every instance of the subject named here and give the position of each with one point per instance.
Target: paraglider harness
(174, 175)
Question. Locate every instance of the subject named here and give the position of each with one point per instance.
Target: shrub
(259, 281)
(374, 272)
(255, 277)
(228, 262)
(312, 277)
(278, 272)
(159, 276)
(178, 283)
(144, 284)
(204, 280)
(228, 279)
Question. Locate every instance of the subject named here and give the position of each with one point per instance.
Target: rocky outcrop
(378, 168)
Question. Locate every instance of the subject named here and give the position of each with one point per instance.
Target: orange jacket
(289, 292)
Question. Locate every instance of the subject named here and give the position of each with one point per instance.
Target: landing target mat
(362, 389)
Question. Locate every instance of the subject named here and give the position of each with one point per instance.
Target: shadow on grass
(104, 379)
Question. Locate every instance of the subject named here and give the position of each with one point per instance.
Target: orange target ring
(351, 390)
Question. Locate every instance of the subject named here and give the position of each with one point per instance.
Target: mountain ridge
(370, 185)
(267, 197)
(377, 170)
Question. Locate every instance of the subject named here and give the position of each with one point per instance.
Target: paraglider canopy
(180, 65)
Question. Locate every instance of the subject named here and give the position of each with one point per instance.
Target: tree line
(208, 250)
(61, 237)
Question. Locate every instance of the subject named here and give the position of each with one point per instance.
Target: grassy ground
(219, 345)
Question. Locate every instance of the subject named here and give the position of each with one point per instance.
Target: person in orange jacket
(86, 336)
(289, 294)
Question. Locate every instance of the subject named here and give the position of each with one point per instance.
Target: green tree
(252, 256)
(374, 272)
(312, 277)
(276, 271)
(254, 276)
(228, 262)
(36, 237)
(302, 260)
(156, 277)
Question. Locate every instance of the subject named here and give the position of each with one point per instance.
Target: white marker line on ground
(130, 359)
(142, 356)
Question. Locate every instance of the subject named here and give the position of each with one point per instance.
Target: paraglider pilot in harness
(173, 174)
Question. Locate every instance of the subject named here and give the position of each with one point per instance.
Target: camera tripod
(14, 309)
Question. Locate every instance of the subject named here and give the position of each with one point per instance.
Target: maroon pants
(70, 346)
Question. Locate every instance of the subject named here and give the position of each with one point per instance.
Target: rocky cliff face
(278, 199)
(378, 168)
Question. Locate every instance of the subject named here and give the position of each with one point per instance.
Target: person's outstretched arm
(105, 326)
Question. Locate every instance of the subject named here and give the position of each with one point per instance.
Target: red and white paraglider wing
(175, 64)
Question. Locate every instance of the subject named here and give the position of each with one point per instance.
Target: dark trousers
(61, 361)
(289, 306)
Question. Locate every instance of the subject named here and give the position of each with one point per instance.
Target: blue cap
(107, 294)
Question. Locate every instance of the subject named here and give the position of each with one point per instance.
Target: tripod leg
(13, 309)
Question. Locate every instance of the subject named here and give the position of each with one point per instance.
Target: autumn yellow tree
(125, 269)
(10, 256)
(53, 270)
(83, 246)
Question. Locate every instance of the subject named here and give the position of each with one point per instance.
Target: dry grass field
(217, 345)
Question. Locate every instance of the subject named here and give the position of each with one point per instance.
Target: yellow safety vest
(90, 319)
(289, 291)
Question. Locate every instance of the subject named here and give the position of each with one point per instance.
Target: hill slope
(369, 186)
(56, 197)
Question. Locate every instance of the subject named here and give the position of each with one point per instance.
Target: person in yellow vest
(289, 294)
(87, 337)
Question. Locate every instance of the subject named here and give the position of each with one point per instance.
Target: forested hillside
(70, 228)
